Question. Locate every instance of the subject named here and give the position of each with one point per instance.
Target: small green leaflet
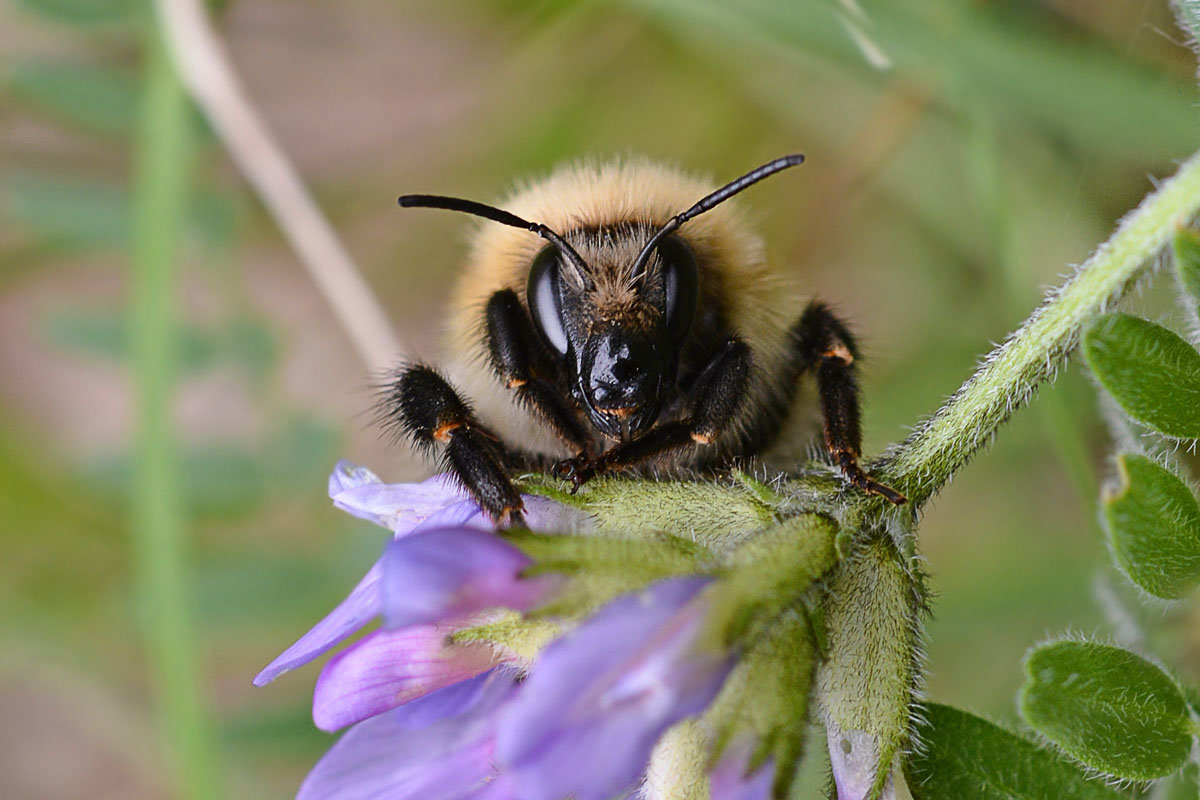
(1187, 257)
(1152, 373)
(1112, 709)
(1153, 523)
(95, 96)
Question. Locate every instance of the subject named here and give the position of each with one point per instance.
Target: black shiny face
(621, 367)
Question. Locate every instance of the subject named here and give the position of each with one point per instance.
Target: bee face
(618, 326)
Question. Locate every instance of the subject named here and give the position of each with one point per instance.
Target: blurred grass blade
(1050, 78)
(1113, 710)
(92, 95)
(163, 159)
(965, 756)
(1153, 523)
(1152, 373)
(1187, 262)
(85, 12)
(981, 51)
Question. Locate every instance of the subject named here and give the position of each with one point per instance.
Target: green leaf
(248, 343)
(106, 334)
(1110, 708)
(1152, 373)
(965, 756)
(86, 214)
(1153, 523)
(102, 334)
(218, 481)
(74, 212)
(91, 95)
(1187, 259)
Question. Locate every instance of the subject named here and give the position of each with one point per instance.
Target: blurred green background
(961, 156)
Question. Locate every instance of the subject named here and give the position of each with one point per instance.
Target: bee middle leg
(430, 412)
(719, 394)
(822, 342)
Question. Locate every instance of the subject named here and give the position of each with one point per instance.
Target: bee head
(619, 329)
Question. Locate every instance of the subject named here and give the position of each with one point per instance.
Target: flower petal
(854, 759)
(360, 607)
(453, 701)
(387, 758)
(612, 686)
(348, 475)
(433, 575)
(463, 514)
(389, 668)
(728, 779)
(550, 516)
(400, 507)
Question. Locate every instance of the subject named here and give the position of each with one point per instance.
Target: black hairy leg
(515, 353)
(822, 342)
(428, 410)
(716, 398)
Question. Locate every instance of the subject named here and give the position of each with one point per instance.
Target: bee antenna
(504, 218)
(713, 200)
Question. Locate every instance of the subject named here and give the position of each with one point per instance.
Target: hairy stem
(1010, 375)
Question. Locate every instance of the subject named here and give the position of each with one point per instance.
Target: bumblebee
(611, 321)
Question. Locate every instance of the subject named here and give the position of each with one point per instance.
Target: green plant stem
(1188, 13)
(163, 156)
(1010, 375)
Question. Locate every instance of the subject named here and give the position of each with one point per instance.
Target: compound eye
(544, 303)
(681, 282)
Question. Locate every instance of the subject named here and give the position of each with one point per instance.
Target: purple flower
(405, 509)
(603, 695)
(435, 575)
(434, 719)
(600, 696)
(423, 578)
(389, 668)
(427, 577)
(440, 746)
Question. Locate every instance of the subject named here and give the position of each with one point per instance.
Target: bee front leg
(719, 394)
(514, 348)
(430, 413)
(822, 341)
